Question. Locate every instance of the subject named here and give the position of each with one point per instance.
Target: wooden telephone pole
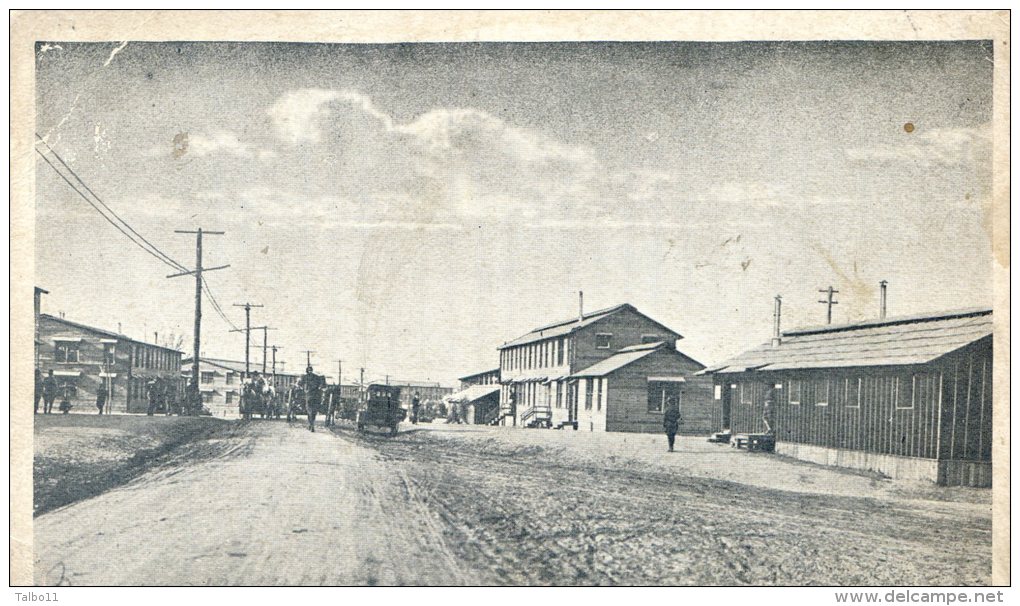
(247, 333)
(198, 294)
(274, 348)
(829, 302)
(308, 355)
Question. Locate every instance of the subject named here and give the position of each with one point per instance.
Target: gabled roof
(624, 357)
(896, 341)
(103, 331)
(566, 327)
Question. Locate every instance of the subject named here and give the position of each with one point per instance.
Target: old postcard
(510, 299)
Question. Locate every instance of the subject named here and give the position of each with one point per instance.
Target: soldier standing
(415, 408)
(101, 398)
(38, 389)
(766, 413)
(65, 400)
(151, 393)
(671, 421)
(49, 391)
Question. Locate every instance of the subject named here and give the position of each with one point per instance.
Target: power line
(148, 247)
(102, 214)
(160, 254)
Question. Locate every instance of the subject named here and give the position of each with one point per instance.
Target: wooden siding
(627, 407)
(937, 411)
(134, 364)
(627, 328)
(542, 359)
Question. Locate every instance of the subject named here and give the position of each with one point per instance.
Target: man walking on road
(671, 421)
(49, 391)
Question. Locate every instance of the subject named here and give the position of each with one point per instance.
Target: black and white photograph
(483, 311)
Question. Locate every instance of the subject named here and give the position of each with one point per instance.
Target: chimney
(777, 338)
(881, 303)
(118, 329)
(580, 305)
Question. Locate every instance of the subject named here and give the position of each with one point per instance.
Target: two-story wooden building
(910, 397)
(486, 377)
(220, 384)
(427, 391)
(84, 358)
(544, 383)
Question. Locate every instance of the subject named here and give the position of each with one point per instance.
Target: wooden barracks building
(607, 370)
(910, 397)
(220, 382)
(84, 357)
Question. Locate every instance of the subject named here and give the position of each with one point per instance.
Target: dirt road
(441, 505)
(282, 506)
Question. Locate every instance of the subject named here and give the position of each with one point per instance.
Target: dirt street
(282, 506)
(472, 505)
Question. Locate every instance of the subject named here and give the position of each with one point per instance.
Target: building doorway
(727, 405)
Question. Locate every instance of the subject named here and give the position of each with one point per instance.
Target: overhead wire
(123, 227)
(160, 254)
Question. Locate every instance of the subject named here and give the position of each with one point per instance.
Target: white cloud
(299, 116)
(218, 141)
(296, 115)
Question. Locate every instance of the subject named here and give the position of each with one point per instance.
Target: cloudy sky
(407, 208)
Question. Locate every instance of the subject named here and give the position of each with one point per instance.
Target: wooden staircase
(537, 416)
(496, 416)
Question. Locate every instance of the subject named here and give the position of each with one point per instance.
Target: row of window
(851, 391)
(70, 352)
(151, 357)
(535, 355)
(141, 357)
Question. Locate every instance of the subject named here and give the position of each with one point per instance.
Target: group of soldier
(309, 396)
(46, 389)
(161, 395)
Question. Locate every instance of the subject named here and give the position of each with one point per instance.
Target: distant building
(220, 384)
(543, 383)
(83, 358)
(909, 397)
(426, 391)
(487, 377)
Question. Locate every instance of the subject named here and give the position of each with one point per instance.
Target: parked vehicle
(381, 409)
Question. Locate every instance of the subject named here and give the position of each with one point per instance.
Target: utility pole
(198, 294)
(265, 343)
(829, 302)
(274, 348)
(308, 356)
(339, 372)
(247, 332)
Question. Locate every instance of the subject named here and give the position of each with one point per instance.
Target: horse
(333, 404)
(268, 396)
(250, 400)
(294, 400)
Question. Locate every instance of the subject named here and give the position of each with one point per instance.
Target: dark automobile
(381, 409)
